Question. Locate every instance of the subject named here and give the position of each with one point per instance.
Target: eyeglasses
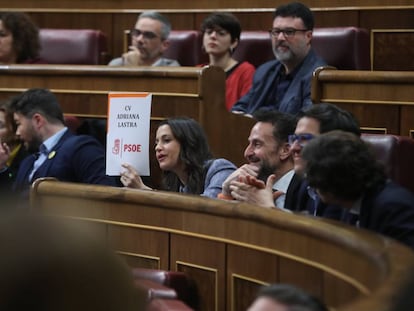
(145, 34)
(302, 139)
(287, 32)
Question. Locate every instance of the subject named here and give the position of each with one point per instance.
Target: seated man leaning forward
(149, 40)
(284, 84)
(56, 151)
(344, 171)
(269, 160)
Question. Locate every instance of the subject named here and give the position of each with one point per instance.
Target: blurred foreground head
(47, 265)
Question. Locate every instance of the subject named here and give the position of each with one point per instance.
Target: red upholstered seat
(73, 46)
(184, 47)
(153, 290)
(397, 154)
(341, 47)
(183, 285)
(254, 47)
(346, 48)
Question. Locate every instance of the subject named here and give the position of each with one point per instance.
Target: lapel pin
(51, 154)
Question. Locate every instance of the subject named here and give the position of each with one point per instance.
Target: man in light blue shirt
(40, 125)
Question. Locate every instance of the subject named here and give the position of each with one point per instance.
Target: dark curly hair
(342, 164)
(26, 42)
(194, 153)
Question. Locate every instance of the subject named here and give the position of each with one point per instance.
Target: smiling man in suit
(269, 160)
(56, 152)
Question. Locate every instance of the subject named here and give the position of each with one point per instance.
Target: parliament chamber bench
(195, 92)
(391, 25)
(231, 249)
(73, 46)
(382, 101)
(341, 47)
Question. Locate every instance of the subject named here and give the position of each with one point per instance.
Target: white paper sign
(127, 139)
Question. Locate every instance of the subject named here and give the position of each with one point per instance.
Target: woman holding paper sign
(184, 156)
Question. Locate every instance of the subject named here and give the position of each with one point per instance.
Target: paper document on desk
(127, 139)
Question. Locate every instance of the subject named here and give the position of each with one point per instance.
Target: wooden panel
(335, 291)
(392, 49)
(188, 255)
(378, 99)
(181, 91)
(306, 277)
(201, 4)
(407, 121)
(360, 271)
(244, 277)
(138, 245)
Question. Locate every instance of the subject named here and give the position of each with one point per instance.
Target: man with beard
(284, 84)
(56, 152)
(269, 160)
(312, 122)
(149, 40)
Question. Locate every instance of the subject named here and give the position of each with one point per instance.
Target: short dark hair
(40, 101)
(342, 164)
(26, 42)
(331, 118)
(227, 21)
(296, 9)
(291, 296)
(194, 153)
(283, 124)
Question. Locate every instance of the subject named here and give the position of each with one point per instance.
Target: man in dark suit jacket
(56, 152)
(344, 171)
(269, 160)
(284, 84)
(312, 122)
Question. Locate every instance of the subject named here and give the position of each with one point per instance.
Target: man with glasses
(149, 40)
(313, 121)
(284, 84)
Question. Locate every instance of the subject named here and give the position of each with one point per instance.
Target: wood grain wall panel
(144, 248)
(407, 121)
(204, 261)
(393, 49)
(378, 99)
(356, 263)
(375, 116)
(387, 18)
(338, 291)
(336, 18)
(200, 4)
(306, 277)
(245, 275)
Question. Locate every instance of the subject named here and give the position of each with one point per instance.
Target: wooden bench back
(230, 249)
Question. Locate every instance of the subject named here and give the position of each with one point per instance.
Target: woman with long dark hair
(183, 154)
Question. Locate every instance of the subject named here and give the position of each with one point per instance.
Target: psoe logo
(117, 146)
